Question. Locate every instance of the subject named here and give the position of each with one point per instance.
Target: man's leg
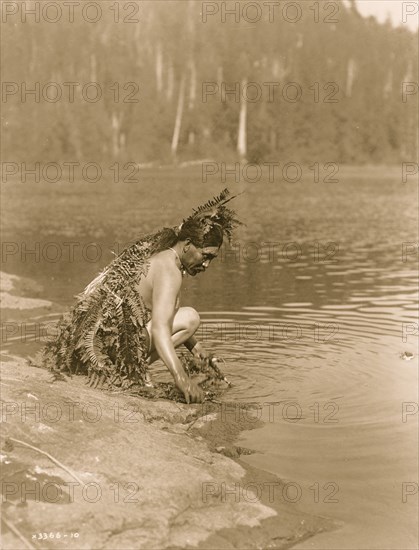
(185, 324)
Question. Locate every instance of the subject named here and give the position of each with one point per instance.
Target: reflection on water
(311, 306)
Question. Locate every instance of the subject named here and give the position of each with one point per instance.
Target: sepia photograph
(209, 274)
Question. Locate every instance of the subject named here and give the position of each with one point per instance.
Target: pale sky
(395, 8)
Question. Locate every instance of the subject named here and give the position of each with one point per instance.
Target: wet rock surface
(130, 474)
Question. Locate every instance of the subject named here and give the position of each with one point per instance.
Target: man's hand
(189, 388)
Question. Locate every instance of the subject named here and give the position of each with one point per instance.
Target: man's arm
(166, 286)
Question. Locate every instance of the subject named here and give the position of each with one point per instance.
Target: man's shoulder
(162, 264)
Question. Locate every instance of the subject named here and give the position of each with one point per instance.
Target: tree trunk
(159, 68)
(350, 76)
(242, 133)
(170, 81)
(115, 134)
(179, 113)
(192, 87)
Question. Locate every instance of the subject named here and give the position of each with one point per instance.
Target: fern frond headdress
(210, 222)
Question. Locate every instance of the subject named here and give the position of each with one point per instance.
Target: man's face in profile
(195, 260)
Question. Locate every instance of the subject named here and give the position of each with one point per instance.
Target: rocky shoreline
(83, 469)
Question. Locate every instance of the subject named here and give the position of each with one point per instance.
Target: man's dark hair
(201, 235)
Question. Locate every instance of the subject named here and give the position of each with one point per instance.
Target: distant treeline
(183, 80)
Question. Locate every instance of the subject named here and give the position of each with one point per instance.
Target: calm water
(308, 309)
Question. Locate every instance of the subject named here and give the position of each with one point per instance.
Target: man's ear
(187, 244)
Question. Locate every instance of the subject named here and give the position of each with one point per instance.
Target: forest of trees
(184, 80)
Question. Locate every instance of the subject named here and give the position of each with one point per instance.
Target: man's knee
(193, 319)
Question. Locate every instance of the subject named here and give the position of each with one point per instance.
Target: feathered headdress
(214, 212)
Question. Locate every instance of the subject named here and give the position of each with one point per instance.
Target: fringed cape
(103, 336)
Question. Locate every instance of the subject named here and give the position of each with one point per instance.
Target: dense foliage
(345, 103)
